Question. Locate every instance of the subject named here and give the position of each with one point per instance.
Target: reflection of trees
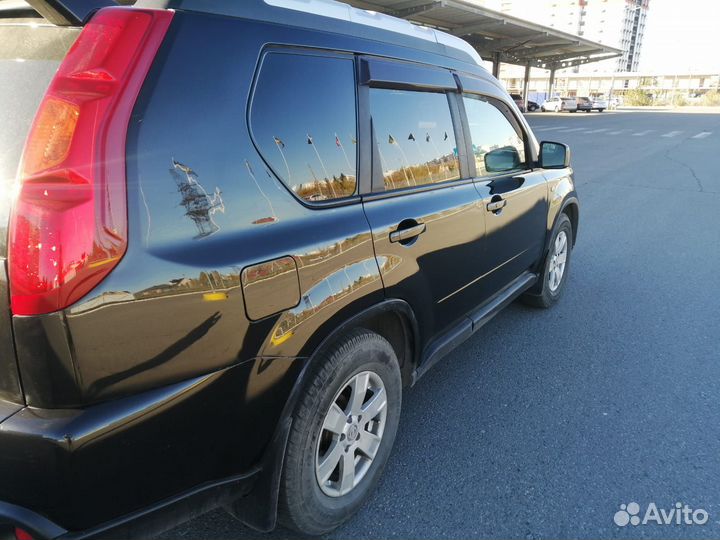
(441, 169)
(320, 190)
(329, 184)
(331, 289)
(332, 250)
(268, 270)
(206, 281)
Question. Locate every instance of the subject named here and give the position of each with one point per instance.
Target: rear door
(30, 51)
(514, 196)
(426, 216)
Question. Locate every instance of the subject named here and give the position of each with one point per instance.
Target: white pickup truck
(599, 104)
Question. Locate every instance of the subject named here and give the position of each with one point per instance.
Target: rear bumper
(141, 524)
(138, 465)
(38, 526)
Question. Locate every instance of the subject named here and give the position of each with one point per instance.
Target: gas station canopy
(496, 36)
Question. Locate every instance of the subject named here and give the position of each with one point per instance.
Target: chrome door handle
(496, 206)
(407, 234)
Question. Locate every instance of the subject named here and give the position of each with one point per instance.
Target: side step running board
(472, 323)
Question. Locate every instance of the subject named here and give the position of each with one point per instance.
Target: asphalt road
(546, 421)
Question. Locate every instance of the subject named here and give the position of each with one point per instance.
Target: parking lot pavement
(546, 421)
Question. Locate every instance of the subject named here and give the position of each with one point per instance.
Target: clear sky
(682, 35)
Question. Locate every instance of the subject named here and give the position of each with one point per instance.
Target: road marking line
(548, 128)
(702, 135)
(598, 130)
(573, 129)
(616, 132)
(672, 133)
(641, 133)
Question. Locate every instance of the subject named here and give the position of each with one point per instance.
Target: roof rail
(313, 13)
(68, 12)
(345, 12)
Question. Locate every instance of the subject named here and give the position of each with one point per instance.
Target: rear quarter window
(303, 123)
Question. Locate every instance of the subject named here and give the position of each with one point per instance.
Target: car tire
(321, 430)
(601, 110)
(550, 287)
(542, 109)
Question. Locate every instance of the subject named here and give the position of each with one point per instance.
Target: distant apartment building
(617, 23)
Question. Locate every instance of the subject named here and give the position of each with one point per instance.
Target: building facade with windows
(617, 23)
(661, 87)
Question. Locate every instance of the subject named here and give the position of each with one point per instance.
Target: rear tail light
(22, 534)
(68, 228)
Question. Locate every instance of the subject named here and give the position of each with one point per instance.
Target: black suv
(239, 229)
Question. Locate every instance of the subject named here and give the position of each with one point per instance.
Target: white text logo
(680, 514)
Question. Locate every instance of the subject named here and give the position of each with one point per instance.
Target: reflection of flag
(427, 137)
(309, 139)
(391, 140)
(446, 136)
(411, 137)
(279, 142)
(353, 140)
(337, 141)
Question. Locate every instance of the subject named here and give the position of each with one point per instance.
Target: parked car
(219, 280)
(599, 104)
(519, 101)
(583, 104)
(531, 105)
(558, 104)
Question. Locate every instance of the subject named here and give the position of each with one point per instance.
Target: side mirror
(554, 155)
(502, 159)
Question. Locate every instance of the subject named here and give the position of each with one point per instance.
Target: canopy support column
(496, 65)
(526, 86)
(551, 83)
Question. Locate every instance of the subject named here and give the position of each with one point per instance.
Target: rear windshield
(30, 52)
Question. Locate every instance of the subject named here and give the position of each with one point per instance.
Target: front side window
(415, 138)
(496, 143)
(304, 123)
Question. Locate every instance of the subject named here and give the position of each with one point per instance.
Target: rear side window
(304, 124)
(492, 131)
(415, 138)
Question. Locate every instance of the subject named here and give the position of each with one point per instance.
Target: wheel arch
(393, 319)
(571, 208)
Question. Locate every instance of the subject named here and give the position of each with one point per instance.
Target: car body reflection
(330, 290)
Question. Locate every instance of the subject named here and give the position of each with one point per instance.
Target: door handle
(496, 206)
(406, 234)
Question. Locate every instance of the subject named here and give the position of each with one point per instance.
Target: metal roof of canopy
(495, 35)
